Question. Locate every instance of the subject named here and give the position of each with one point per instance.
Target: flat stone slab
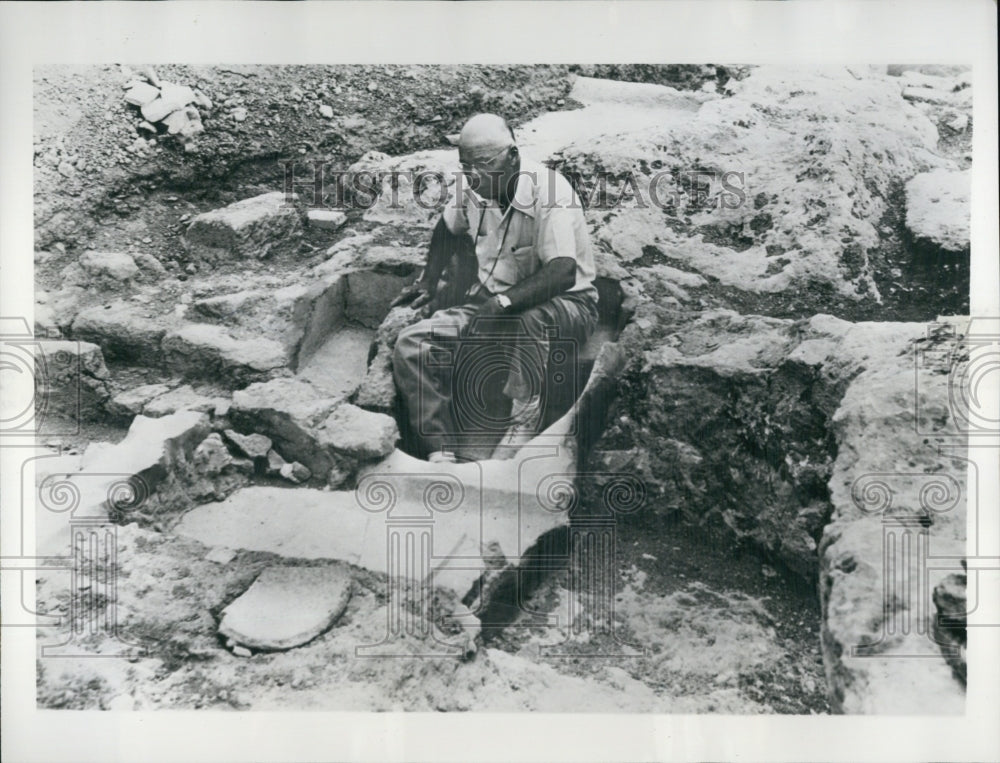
(339, 364)
(287, 607)
(469, 515)
(183, 398)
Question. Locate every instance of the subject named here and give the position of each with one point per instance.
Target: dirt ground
(702, 626)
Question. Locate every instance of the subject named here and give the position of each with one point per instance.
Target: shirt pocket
(505, 272)
(525, 261)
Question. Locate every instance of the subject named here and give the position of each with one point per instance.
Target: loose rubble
(174, 107)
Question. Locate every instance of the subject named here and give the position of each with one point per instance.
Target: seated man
(535, 273)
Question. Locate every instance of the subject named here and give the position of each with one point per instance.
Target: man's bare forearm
(555, 277)
(438, 254)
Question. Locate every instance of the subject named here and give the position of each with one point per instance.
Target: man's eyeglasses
(482, 164)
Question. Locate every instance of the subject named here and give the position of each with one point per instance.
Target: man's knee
(407, 347)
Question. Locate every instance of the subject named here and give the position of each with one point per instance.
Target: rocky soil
(772, 246)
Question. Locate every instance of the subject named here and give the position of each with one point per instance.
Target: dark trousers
(445, 367)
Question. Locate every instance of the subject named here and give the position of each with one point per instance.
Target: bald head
(485, 134)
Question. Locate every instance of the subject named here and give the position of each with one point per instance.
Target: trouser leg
(563, 323)
(423, 367)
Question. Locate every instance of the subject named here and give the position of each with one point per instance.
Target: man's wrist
(503, 300)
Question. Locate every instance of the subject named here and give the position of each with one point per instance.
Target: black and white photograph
(634, 387)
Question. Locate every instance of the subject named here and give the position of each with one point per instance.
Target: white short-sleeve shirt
(544, 221)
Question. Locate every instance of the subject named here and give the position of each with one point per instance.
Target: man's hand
(416, 295)
(489, 308)
(486, 310)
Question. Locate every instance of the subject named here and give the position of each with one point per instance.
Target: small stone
(326, 219)
(202, 100)
(172, 98)
(144, 125)
(768, 572)
(221, 555)
(295, 472)
(241, 651)
(191, 268)
(66, 169)
(81, 164)
(239, 114)
(211, 455)
(175, 122)
(250, 445)
(275, 463)
(326, 111)
(725, 678)
(141, 93)
(959, 123)
(117, 265)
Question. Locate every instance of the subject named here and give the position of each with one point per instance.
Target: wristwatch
(504, 301)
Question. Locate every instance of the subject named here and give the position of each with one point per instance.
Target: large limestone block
(378, 388)
(122, 332)
(938, 211)
(409, 190)
(210, 352)
(290, 412)
(779, 187)
(247, 228)
(130, 403)
(899, 496)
